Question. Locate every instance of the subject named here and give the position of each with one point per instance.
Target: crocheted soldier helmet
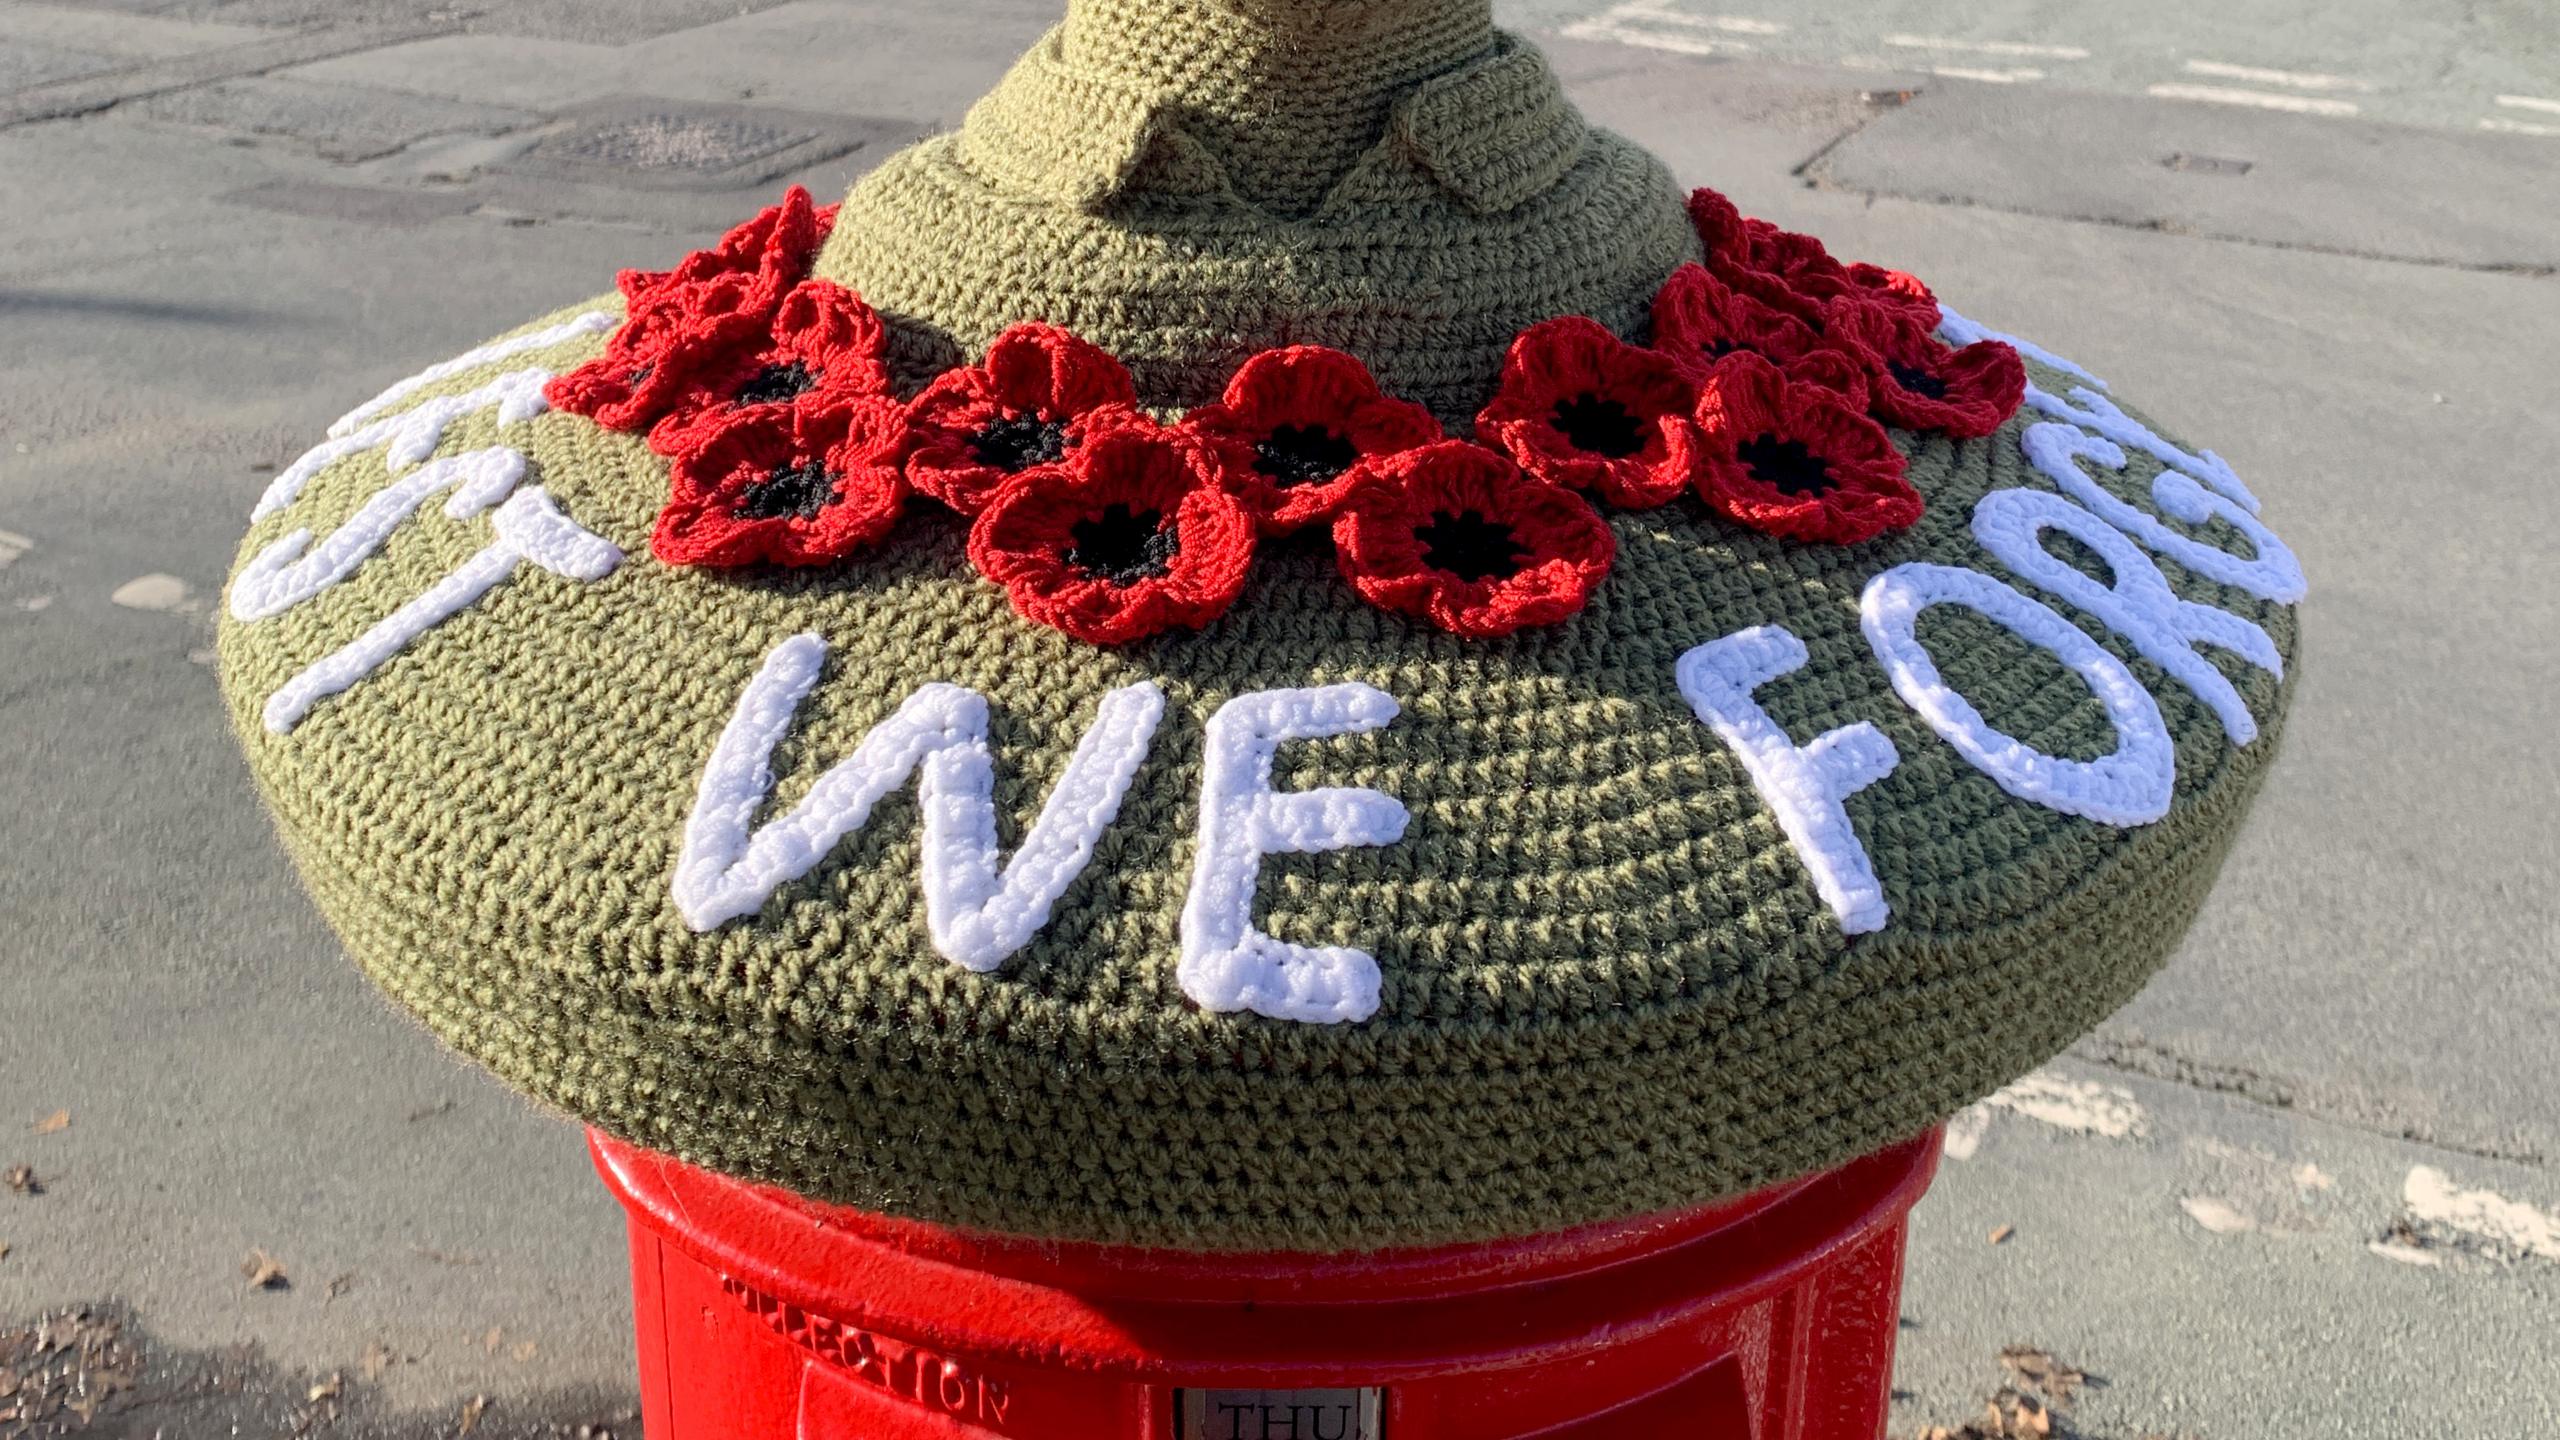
(1278, 644)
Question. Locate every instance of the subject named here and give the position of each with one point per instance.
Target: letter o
(2131, 786)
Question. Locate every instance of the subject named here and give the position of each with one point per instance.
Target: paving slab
(126, 36)
(828, 56)
(2222, 172)
(2222, 1270)
(339, 122)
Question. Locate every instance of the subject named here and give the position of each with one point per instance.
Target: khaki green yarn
(1185, 182)
(1609, 985)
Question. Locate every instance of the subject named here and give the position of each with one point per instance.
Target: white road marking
(2215, 1215)
(2080, 1106)
(151, 592)
(1605, 29)
(1965, 1130)
(1987, 77)
(1729, 24)
(2259, 75)
(2016, 48)
(2258, 99)
(2530, 102)
(2518, 127)
(13, 545)
(2431, 1195)
(2405, 1254)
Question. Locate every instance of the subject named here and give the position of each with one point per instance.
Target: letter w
(978, 915)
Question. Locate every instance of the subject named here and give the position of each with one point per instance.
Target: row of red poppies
(773, 397)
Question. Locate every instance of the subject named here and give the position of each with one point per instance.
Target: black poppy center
(1304, 455)
(1718, 348)
(1916, 380)
(1470, 547)
(641, 376)
(1123, 546)
(1789, 465)
(775, 384)
(802, 490)
(1600, 425)
(1018, 442)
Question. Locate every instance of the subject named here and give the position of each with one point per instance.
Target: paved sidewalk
(2306, 1186)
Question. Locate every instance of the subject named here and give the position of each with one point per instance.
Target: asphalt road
(2308, 1185)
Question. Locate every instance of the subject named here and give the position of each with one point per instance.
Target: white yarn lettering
(2272, 573)
(2092, 411)
(2097, 412)
(976, 915)
(410, 436)
(282, 575)
(2137, 605)
(1803, 785)
(593, 322)
(530, 528)
(2130, 786)
(1227, 964)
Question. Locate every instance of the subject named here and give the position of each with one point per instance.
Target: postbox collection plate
(1278, 1414)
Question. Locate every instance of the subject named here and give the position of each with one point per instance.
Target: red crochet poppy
(1836, 367)
(1025, 407)
(1699, 319)
(1895, 289)
(786, 485)
(1918, 381)
(769, 253)
(1455, 534)
(1295, 427)
(825, 345)
(1795, 460)
(1130, 536)
(661, 352)
(1785, 270)
(1578, 406)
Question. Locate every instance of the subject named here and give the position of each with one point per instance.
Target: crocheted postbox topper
(1277, 644)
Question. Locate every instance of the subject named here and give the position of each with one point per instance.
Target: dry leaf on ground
(22, 1181)
(377, 1358)
(472, 1410)
(2038, 1370)
(265, 1272)
(2003, 1233)
(55, 1123)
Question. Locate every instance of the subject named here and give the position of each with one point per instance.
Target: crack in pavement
(89, 94)
(1814, 178)
(2330, 1104)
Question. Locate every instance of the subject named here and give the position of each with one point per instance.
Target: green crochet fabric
(1610, 983)
(1609, 986)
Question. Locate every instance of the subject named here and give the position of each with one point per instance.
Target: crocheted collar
(1491, 134)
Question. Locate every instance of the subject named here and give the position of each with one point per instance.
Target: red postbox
(763, 1316)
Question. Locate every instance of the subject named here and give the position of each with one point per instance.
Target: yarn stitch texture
(1601, 979)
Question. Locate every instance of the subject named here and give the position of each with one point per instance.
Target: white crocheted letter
(530, 530)
(978, 912)
(2130, 786)
(1802, 785)
(1227, 964)
(2137, 605)
(2055, 448)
